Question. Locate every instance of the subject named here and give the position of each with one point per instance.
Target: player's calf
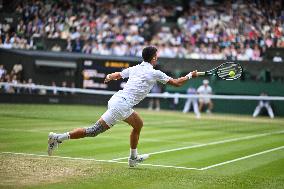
(54, 139)
(96, 129)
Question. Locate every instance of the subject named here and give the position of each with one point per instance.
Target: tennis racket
(226, 71)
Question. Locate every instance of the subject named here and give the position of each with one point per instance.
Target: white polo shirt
(142, 78)
(206, 91)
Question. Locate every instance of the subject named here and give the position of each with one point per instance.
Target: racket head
(223, 71)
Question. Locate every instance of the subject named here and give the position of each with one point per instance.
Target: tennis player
(141, 79)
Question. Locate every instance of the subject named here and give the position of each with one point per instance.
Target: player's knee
(138, 126)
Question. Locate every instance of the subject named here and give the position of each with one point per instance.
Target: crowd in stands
(15, 76)
(236, 30)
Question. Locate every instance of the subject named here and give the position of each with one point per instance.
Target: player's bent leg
(136, 122)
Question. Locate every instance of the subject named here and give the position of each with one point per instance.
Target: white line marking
(208, 144)
(241, 158)
(61, 157)
(152, 165)
(99, 160)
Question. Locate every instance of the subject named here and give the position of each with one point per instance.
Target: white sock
(64, 136)
(133, 153)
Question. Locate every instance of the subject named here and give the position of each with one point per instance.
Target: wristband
(189, 75)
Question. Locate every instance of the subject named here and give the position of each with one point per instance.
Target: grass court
(216, 151)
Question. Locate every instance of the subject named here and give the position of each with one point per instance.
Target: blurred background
(74, 43)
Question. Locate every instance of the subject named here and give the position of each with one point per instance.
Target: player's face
(154, 60)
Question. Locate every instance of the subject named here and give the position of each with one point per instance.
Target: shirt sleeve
(161, 77)
(125, 73)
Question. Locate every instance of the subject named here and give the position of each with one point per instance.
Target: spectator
(64, 85)
(193, 101)
(77, 46)
(56, 48)
(7, 44)
(216, 32)
(54, 91)
(31, 89)
(277, 58)
(205, 89)
(69, 45)
(8, 88)
(155, 102)
(3, 72)
(263, 104)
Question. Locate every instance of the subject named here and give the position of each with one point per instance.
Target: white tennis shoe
(53, 143)
(137, 160)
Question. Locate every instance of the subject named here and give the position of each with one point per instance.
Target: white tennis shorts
(204, 100)
(118, 110)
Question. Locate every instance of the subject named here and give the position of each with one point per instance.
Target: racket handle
(201, 73)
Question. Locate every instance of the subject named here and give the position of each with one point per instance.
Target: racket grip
(201, 73)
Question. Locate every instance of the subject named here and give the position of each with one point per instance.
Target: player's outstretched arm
(113, 76)
(180, 81)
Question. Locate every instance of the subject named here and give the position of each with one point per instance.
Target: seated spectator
(3, 72)
(56, 48)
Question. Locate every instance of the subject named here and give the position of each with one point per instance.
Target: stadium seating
(237, 30)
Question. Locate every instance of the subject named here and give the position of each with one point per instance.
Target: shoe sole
(50, 141)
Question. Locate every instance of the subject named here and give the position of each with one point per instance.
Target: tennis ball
(232, 73)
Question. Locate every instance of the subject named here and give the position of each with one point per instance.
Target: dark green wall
(172, 66)
(237, 88)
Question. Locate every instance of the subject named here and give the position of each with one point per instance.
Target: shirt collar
(146, 64)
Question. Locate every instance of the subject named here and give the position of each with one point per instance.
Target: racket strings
(223, 71)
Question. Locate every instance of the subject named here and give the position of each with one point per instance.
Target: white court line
(61, 157)
(241, 158)
(99, 160)
(152, 165)
(208, 144)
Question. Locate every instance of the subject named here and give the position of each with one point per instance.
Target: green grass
(24, 129)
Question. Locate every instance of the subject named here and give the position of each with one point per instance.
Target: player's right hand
(107, 79)
(194, 73)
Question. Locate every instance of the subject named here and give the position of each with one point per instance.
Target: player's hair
(148, 53)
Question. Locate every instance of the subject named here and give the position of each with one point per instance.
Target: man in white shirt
(205, 89)
(142, 78)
